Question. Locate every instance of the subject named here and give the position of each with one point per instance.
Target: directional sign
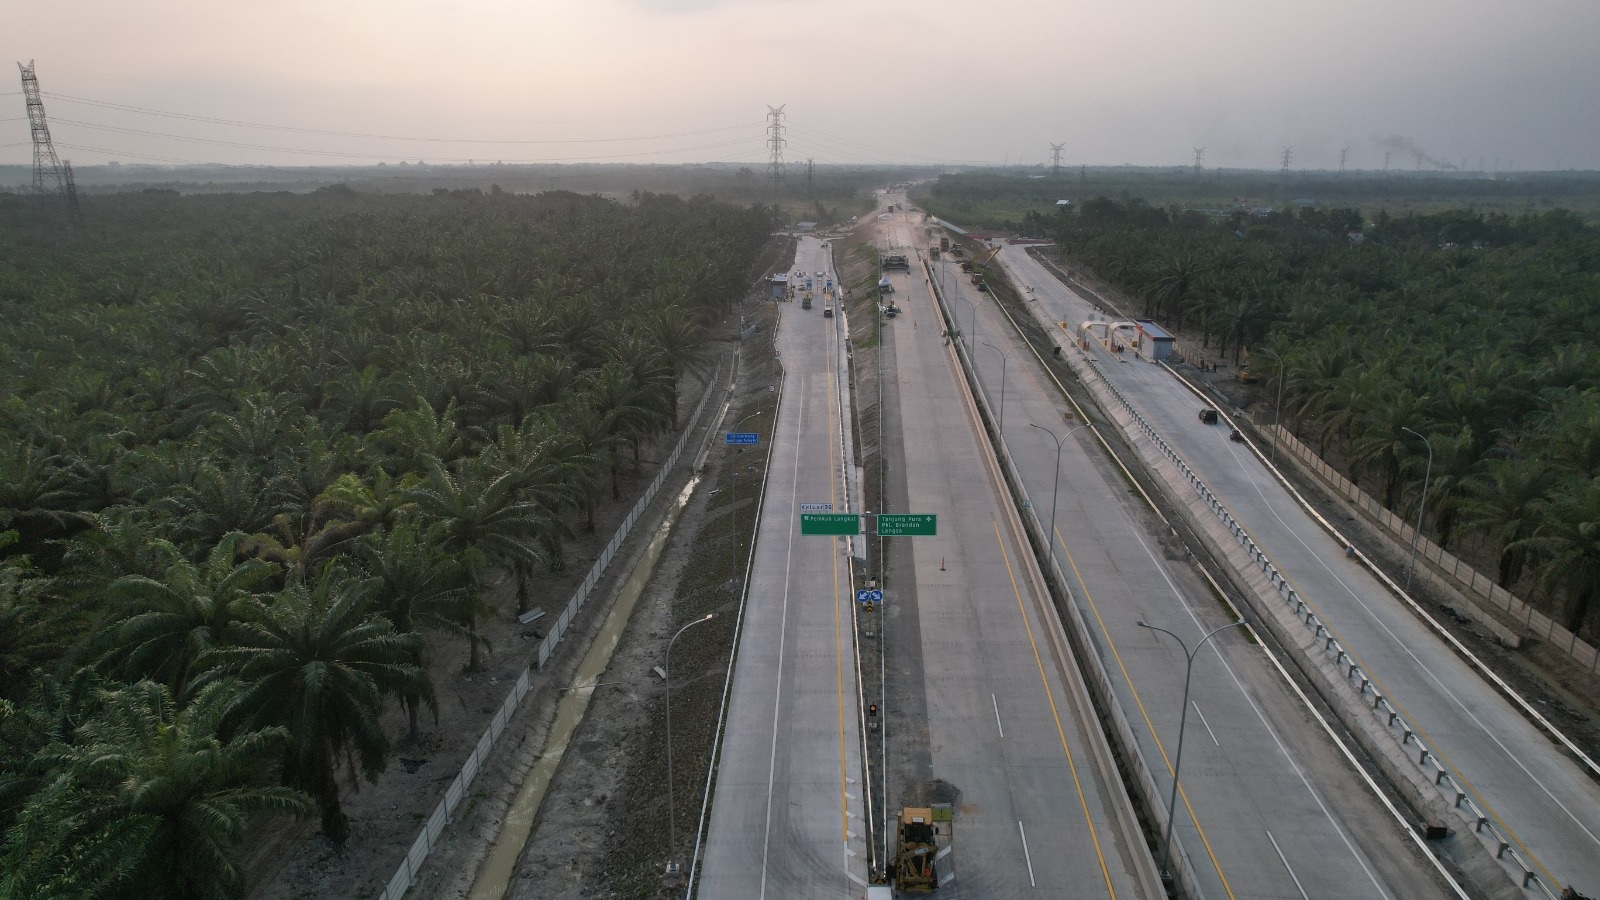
(869, 596)
(908, 525)
(816, 507)
(830, 523)
(743, 437)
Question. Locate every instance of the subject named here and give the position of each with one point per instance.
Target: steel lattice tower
(1055, 159)
(775, 141)
(50, 176)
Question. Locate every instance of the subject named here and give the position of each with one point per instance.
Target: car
(821, 274)
(827, 312)
(1208, 416)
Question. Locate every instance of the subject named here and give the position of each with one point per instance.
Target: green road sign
(830, 523)
(908, 524)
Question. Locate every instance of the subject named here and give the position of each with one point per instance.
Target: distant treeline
(259, 452)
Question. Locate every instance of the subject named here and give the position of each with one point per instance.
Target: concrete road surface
(786, 818)
(1269, 804)
(1547, 806)
(1002, 724)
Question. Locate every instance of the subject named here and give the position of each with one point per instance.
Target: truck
(933, 251)
(806, 302)
(944, 242)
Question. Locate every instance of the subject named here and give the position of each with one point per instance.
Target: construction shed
(1155, 342)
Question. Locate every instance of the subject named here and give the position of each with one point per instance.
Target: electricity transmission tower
(811, 171)
(1055, 160)
(775, 141)
(1288, 154)
(50, 174)
(1343, 152)
(1199, 155)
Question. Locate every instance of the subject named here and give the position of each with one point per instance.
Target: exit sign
(907, 524)
(830, 523)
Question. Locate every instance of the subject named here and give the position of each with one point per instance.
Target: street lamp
(973, 318)
(1416, 534)
(673, 869)
(733, 551)
(1177, 762)
(1050, 539)
(1005, 360)
(1277, 413)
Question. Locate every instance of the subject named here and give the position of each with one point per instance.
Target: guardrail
(406, 875)
(1442, 563)
(1394, 723)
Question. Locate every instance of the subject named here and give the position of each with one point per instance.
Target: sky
(1407, 83)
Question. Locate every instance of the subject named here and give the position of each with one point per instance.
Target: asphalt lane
(787, 810)
(1547, 805)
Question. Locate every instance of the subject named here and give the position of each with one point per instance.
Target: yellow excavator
(925, 834)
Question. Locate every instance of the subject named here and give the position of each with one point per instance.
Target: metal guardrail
(428, 838)
(1333, 651)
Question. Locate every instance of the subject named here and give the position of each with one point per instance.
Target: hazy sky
(905, 81)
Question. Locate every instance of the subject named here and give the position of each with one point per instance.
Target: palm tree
(319, 661)
(481, 518)
(415, 584)
(167, 625)
(145, 801)
(1567, 543)
(1503, 503)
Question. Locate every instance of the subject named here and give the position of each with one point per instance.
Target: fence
(406, 875)
(1445, 565)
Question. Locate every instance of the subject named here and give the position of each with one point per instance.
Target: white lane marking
(1406, 648)
(1271, 732)
(783, 628)
(997, 716)
(1205, 723)
(1298, 886)
(1025, 854)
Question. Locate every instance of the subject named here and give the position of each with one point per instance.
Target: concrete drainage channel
(501, 862)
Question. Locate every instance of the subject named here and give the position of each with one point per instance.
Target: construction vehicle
(896, 262)
(933, 251)
(944, 242)
(1246, 376)
(915, 869)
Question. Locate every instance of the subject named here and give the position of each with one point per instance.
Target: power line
(48, 169)
(106, 104)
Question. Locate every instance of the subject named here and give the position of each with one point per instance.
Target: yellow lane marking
(838, 651)
(1149, 726)
(1050, 696)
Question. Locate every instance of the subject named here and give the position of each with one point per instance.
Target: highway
(1268, 804)
(788, 810)
(1002, 719)
(1545, 804)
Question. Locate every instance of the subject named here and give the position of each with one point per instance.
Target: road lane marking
(783, 629)
(997, 715)
(1420, 734)
(1139, 702)
(1298, 886)
(1054, 712)
(838, 652)
(1205, 723)
(1026, 855)
(1294, 766)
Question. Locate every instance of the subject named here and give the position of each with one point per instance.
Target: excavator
(922, 843)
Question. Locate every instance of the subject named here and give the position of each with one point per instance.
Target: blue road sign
(743, 437)
(872, 596)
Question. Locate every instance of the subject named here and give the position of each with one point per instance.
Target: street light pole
(1416, 534)
(733, 545)
(1183, 719)
(1005, 360)
(673, 869)
(1055, 488)
(1277, 414)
